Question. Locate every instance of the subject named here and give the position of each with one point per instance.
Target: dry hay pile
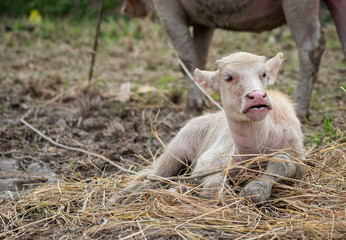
(311, 209)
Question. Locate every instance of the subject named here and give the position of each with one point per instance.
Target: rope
(197, 84)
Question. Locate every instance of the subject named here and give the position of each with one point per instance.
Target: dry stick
(343, 89)
(93, 54)
(188, 73)
(71, 148)
(207, 213)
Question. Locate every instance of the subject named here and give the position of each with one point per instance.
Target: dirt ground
(44, 78)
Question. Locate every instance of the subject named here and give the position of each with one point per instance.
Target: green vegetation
(55, 8)
(5, 109)
(328, 134)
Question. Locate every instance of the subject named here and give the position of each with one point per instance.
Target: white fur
(210, 141)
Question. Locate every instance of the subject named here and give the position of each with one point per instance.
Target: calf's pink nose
(256, 95)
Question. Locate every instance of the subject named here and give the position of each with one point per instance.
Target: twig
(141, 230)
(275, 230)
(197, 84)
(93, 54)
(72, 148)
(207, 213)
(59, 95)
(343, 89)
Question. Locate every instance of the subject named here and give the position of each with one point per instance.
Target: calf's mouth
(261, 106)
(257, 107)
(257, 111)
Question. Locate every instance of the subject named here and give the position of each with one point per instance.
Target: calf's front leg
(260, 190)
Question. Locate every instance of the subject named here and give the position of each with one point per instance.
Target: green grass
(71, 164)
(113, 30)
(75, 9)
(5, 109)
(328, 134)
(332, 42)
(164, 81)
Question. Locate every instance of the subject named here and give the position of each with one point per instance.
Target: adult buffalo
(302, 17)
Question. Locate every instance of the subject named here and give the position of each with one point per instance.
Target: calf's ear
(273, 66)
(207, 80)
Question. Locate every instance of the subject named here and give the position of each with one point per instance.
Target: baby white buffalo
(254, 121)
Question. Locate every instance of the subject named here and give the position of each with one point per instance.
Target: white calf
(254, 121)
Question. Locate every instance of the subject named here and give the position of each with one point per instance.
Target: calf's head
(241, 80)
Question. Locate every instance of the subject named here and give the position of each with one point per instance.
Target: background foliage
(53, 8)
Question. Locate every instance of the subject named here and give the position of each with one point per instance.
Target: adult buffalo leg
(303, 20)
(202, 36)
(338, 10)
(192, 50)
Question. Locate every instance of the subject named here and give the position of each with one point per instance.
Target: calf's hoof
(257, 191)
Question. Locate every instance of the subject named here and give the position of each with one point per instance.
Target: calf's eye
(264, 75)
(228, 78)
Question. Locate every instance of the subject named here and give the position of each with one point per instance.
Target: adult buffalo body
(302, 17)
